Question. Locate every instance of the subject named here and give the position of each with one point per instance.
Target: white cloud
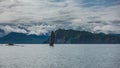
(42, 16)
(107, 29)
(8, 29)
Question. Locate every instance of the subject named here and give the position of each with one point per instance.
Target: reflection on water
(60, 56)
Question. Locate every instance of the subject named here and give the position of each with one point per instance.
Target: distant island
(62, 37)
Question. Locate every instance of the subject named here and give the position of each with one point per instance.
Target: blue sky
(89, 3)
(42, 16)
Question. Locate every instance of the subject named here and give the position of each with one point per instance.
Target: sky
(42, 16)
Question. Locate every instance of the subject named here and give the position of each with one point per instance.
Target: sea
(60, 56)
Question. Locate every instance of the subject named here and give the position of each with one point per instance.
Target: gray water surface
(60, 56)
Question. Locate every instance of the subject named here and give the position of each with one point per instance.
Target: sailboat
(52, 37)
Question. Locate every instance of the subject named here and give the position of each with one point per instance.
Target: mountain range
(62, 37)
(84, 37)
(20, 38)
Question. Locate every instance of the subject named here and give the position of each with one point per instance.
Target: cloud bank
(42, 16)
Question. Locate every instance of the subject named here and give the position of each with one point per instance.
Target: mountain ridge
(84, 37)
(62, 37)
(20, 38)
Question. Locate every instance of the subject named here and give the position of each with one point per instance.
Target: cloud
(28, 29)
(106, 29)
(42, 16)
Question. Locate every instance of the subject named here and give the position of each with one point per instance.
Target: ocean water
(60, 56)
